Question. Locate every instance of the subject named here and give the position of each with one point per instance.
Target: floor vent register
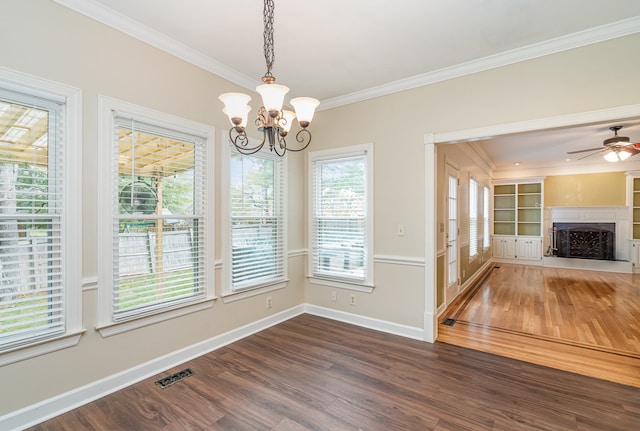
(175, 378)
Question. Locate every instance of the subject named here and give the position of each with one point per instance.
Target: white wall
(41, 38)
(566, 83)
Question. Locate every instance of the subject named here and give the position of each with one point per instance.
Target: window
(155, 228)
(255, 227)
(485, 226)
(473, 218)
(341, 217)
(40, 285)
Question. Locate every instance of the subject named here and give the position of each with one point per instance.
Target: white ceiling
(545, 152)
(341, 51)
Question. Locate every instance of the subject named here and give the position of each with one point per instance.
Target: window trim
(368, 284)
(106, 122)
(228, 294)
(72, 210)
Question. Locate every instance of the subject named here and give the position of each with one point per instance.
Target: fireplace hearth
(585, 240)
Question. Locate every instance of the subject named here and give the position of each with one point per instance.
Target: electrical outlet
(334, 296)
(352, 299)
(269, 302)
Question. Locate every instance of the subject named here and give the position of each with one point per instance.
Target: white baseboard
(367, 322)
(47, 409)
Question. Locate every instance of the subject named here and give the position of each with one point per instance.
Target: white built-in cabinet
(633, 202)
(517, 220)
(503, 247)
(529, 248)
(635, 255)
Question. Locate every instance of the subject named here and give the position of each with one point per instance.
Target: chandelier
(273, 121)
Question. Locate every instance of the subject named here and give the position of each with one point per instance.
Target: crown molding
(111, 18)
(575, 40)
(591, 168)
(126, 25)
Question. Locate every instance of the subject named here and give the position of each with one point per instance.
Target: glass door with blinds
(452, 236)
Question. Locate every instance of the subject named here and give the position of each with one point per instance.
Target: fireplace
(585, 240)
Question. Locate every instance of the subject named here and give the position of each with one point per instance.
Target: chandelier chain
(269, 54)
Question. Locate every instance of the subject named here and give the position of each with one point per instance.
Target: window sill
(41, 348)
(115, 328)
(342, 284)
(253, 291)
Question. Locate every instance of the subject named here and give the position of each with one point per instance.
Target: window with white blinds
(32, 211)
(341, 216)
(473, 218)
(257, 224)
(158, 181)
(486, 240)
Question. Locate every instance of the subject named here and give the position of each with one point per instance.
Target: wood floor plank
(310, 373)
(585, 322)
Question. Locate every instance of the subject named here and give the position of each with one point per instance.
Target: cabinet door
(535, 249)
(497, 249)
(635, 255)
(509, 248)
(503, 247)
(529, 248)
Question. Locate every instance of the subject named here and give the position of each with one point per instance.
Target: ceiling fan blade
(584, 151)
(588, 155)
(632, 150)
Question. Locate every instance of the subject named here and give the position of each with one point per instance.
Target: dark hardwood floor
(586, 322)
(310, 373)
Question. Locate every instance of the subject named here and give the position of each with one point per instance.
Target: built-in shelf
(636, 208)
(517, 209)
(517, 221)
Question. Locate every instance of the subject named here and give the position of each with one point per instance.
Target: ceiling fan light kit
(616, 155)
(273, 121)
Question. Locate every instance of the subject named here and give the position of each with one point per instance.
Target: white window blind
(32, 281)
(473, 217)
(339, 217)
(257, 219)
(158, 181)
(485, 214)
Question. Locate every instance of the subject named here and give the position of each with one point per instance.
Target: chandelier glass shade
(271, 119)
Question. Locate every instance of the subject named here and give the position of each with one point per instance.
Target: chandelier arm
(281, 148)
(240, 141)
(300, 137)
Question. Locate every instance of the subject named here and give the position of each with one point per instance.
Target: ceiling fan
(616, 148)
